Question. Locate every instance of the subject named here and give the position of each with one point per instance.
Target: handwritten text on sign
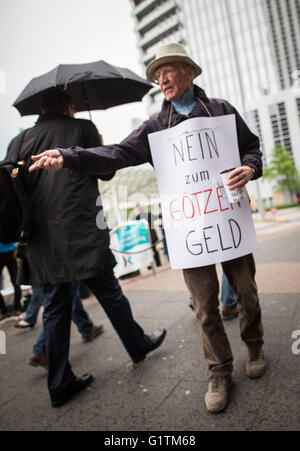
(202, 227)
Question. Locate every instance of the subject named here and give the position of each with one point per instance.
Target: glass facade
(254, 124)
(280, 125)
(283, 17)
(229, 38)
(247, 48)
(298, 106)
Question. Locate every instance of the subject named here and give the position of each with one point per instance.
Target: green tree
(282, 169)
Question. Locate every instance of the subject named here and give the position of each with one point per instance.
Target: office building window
(280, 125)
(254, 125)
(298, 106)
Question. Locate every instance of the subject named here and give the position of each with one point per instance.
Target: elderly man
(174, 71)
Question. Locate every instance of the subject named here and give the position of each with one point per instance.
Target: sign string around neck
(171, 111)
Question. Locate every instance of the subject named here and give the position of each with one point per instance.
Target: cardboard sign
(128, 238)
(202, 227)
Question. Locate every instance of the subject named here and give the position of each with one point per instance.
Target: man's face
(174, 80)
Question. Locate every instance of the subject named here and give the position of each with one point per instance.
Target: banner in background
(131, 237)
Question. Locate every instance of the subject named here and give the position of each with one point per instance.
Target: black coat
(66, 244)
(135, 150)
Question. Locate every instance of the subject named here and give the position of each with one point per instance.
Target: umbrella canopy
(93, 86)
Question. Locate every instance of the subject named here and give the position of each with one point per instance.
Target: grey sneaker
(256, 365)
(216, 398)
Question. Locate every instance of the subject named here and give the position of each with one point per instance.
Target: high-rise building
(249, 51)
(283, 18)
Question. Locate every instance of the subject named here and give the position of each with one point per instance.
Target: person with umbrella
(67, 244)
(175, 71)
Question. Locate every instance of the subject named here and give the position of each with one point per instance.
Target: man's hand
(239, 177)
(52, 160)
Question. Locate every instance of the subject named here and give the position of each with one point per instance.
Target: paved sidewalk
(166, 392)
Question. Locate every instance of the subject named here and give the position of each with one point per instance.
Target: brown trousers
(203, 285)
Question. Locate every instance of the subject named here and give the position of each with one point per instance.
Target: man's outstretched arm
(132, 151)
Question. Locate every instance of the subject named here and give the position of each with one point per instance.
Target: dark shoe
(23, 324)
(38, 360)
(230, 313)
(155, 340)
(79, 384)
(16, 313)
(191, 306)
(97, 330)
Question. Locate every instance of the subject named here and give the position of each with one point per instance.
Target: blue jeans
(35, 303)
(8, 259)
(79, 315)
(227, 294)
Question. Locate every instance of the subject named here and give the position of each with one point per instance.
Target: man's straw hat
(170, 53)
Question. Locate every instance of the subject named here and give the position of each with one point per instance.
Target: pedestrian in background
(228, 300)
(8, 260)
(161, 225)
(149, 217)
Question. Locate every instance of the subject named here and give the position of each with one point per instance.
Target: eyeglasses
(162, 73)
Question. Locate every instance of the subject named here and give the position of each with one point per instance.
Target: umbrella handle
(86, 99)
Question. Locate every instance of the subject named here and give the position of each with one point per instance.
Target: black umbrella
(93, 86)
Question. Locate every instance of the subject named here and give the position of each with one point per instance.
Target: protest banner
(130, 242)
(202, 227)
